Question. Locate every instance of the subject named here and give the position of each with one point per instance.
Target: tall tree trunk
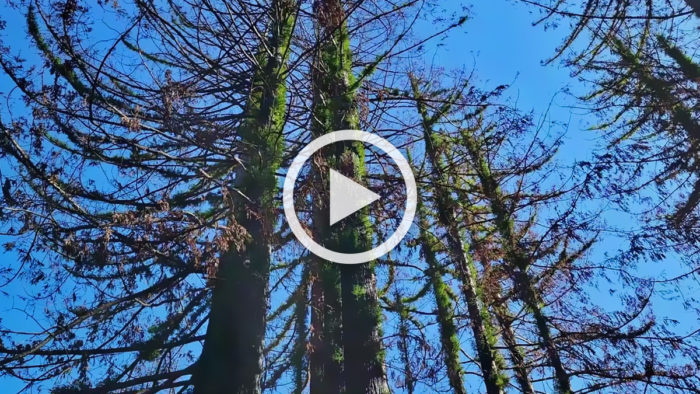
(335, 109)
(232, 357)
(484, 336)
(517, 260)
(403, 344)
(445, 309)
(325, 353)
(298, 356)
(503, 317)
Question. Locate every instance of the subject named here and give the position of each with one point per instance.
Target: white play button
(347, 197)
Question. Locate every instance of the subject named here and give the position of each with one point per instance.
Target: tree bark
(445, 309)
(335, 109)
(232, 356)
(516, 356)
(403, 344)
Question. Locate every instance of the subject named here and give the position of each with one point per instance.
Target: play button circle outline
(301, 159)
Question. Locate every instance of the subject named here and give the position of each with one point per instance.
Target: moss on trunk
(232, 358)
(335, 109)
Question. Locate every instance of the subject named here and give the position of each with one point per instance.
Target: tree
(130, 245)
(645, 94)
(484, 334)
(232, 357)
(140, 177)
(185, 112)
(535, 271)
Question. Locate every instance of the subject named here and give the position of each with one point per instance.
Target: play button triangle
(347, 197)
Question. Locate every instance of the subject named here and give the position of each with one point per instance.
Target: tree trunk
(445, 310)
(484, 335)
(516, 356)
(403, 344)
(298, 360)
(325, 353)
(232, 357)
(517, 261)
(335, 109)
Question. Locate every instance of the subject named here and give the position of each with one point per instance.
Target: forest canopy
(143, 146)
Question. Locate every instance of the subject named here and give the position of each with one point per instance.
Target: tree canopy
(143, 145)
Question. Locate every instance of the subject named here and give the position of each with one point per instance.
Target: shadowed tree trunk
(326, 349)
(403, 344)
(232, 358)
(505, 321)
(298, 360)
(335, 109)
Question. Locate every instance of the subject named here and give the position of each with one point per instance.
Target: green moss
(443, 302)
(690, 69)
(359, 291)
(484, 333)
(335, 108)
(660, 89)
(57, 64)
(517, 260)
(338, 355)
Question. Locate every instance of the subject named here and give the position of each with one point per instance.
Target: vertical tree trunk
(232, 357)
(484, 336)
(325, 353)
(445, 310)
(517, 261)
(297, 358)
(403, 344)
(335, 109)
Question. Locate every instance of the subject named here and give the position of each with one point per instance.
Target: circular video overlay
(291, 215)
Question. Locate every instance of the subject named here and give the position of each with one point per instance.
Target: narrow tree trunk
(505, 320)
(489, 358)
(403, 344)
(232, 357)
(325, 353)
(517, 261)
(445, 310)
(517, 358)
(298, 358)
